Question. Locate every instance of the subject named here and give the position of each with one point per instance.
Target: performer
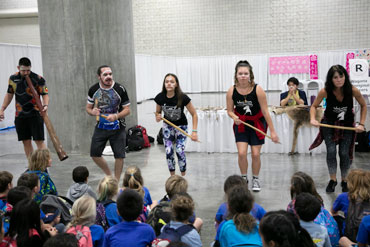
(112, 107)
(172, 101)
(339, 94)
(28, 121)
(293, 96)
(246, 101)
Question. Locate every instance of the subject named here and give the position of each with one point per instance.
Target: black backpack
(159, 216)
(356, 211)
(135, 139)
(171, 235)
(160, 137)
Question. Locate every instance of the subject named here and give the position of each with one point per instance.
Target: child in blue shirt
(107, 190)
(308, 207)
(129, 232)
(6, 179)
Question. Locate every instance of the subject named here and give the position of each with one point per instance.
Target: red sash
(256, 122)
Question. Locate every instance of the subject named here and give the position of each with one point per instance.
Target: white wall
(220, 27)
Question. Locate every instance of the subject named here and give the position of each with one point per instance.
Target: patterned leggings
(331, 149)
(173, 136)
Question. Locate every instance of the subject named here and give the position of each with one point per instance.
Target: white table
(216, 134)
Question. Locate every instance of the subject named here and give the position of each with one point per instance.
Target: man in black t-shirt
(28, 121)
(109, 102)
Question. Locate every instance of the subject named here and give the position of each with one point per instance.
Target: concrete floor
(206, 172)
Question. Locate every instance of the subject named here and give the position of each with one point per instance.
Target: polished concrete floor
(206, 172)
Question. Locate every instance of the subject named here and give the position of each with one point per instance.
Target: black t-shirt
(25, 104)
(110, 101)
(171, 111)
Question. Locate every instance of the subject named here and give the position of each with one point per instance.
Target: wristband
(194, 130)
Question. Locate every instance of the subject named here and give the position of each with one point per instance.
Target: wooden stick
(176, 127)
(96, 105)
(258, 130)
(336, 127)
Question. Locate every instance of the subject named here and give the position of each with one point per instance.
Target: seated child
(129, 232)
(62, 240)
(133, 180)
(308, 207)
(30, 180)
(241, 228)
(84, 214)
(80, 176)
(281, 228)
(6, 179)
(182, 209)
(107, 190)
(257, 211)
(38, 162)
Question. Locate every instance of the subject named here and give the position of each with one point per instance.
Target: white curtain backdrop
(196, 74)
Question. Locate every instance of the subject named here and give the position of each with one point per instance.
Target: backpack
(135, 139)
(83, 235)
(144, 215)
(171, 235)
(363, 142)
(63, 204)
(145, 136)
(101, 218)
(356, 211)
(160, 137)
(160, 216)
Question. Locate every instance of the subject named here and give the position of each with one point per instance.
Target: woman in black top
(339, 94)
(246, 101)
(172, 102)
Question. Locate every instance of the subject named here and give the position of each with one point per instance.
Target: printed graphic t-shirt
(171, 111)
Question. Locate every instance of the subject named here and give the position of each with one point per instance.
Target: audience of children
(80, 176)
(301, 182)
(38, 162)
(237, 220)
(129, 232)
(282, 229)
(307, 208)
(241, 228)
(107, 190)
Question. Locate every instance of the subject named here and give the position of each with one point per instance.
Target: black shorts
(117, 140)
(249, 136)
(30, 128)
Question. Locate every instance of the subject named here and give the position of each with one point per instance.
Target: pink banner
(350, 55)
(314, 73)
(289, 65)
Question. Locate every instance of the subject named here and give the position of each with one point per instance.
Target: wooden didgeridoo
(53, 136)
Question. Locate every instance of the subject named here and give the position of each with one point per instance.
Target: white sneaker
(256, 185)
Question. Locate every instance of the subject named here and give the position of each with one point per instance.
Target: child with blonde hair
(83, 218)
(133, 179)
(38, 162)
(107, 191)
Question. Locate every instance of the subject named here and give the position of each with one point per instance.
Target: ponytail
(244, 222)
(133, 180)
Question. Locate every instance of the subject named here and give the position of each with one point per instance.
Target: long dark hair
(301, 182)
(347, 87)
(24, 217)
(240, 203)
(244, 63)
(178, 91)
(284, 230)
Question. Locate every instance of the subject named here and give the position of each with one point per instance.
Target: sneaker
(256, 185)
(331, 186)
(246, 178)
(343, 184)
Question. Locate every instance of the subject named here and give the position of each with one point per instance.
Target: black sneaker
(344, 186)
(331, 186)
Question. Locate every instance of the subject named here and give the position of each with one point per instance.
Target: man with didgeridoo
(28, 121)
(109, 102)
